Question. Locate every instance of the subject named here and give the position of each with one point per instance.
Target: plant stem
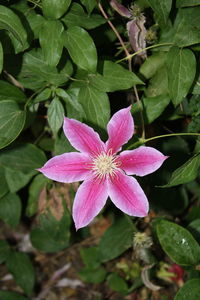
(141, 50)
(144, 141)
(129, 58)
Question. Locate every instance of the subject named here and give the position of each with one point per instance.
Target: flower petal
(126, 193)
(120, 129)
(82, 137)
(141, 161)
(68, 167)
(90, 199)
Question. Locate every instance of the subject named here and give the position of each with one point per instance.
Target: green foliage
(117, 239)
(19, 264)
(190, 290)
(64, 58)
(178, 243)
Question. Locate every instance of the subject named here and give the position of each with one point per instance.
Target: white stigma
(105, 164)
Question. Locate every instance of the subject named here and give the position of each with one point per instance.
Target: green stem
(144, 141)
(147, 48)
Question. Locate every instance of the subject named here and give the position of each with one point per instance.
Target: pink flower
(103, 170)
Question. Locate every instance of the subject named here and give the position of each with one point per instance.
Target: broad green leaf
(190, 290)
(35, 189)
(3, 184)
(70, 102)
(184, 32)
(184, 3)
(95, 105)
(178, 243)
(4, 251)
(117, 283)
(11, 22)
(10, 209)
(1, 57)
(186, 173)
(81, 48)
(36, 74)
(23, 158)
(51, 235)
(117, 239)
(12, 121)
(7, 295)
(181, 69)
(152, 64)
(158, 84)
(55, 8)
(20, 265)
(161, 9)
(16, 179)
(55, 115)
(194, 228)
(154, 106)
(89, 4)
(90, 257)
(114, 78)
(93, 275)
(43, 96)
(51, 42)
(11, 92)
(77, 17)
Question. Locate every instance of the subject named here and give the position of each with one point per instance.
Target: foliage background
(63, 57)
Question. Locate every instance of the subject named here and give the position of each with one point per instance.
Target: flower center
(105, 164)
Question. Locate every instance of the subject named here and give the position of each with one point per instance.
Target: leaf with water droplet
(178, 243)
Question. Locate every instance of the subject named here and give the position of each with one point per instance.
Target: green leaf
(1, 57)
(55, 115)
(114, 78)
(178, 243)
(52, 235)
(186, 173)
(70, 102)
(4, 251)
(23, 158)
(90, 257)
(152, 64)
(12, 121)
(43, 96)
(95, 105)
(81, 48)
(55, 8)
(161, 9)
(77, 17)
(10, 209)
(184, 32)
(89, 5)
(190, 290)
(19, 264)
(184, 3)
(93, 275)
(154, 106)
(181, 68)
(117, 283)
(51, 42)
(35, 188)
(7, 295)
(3, 183)
(36, 74)
(11, 92)
(17, 180)
(158, 84)
(117, 239)
(194, 228)
(11, 22)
